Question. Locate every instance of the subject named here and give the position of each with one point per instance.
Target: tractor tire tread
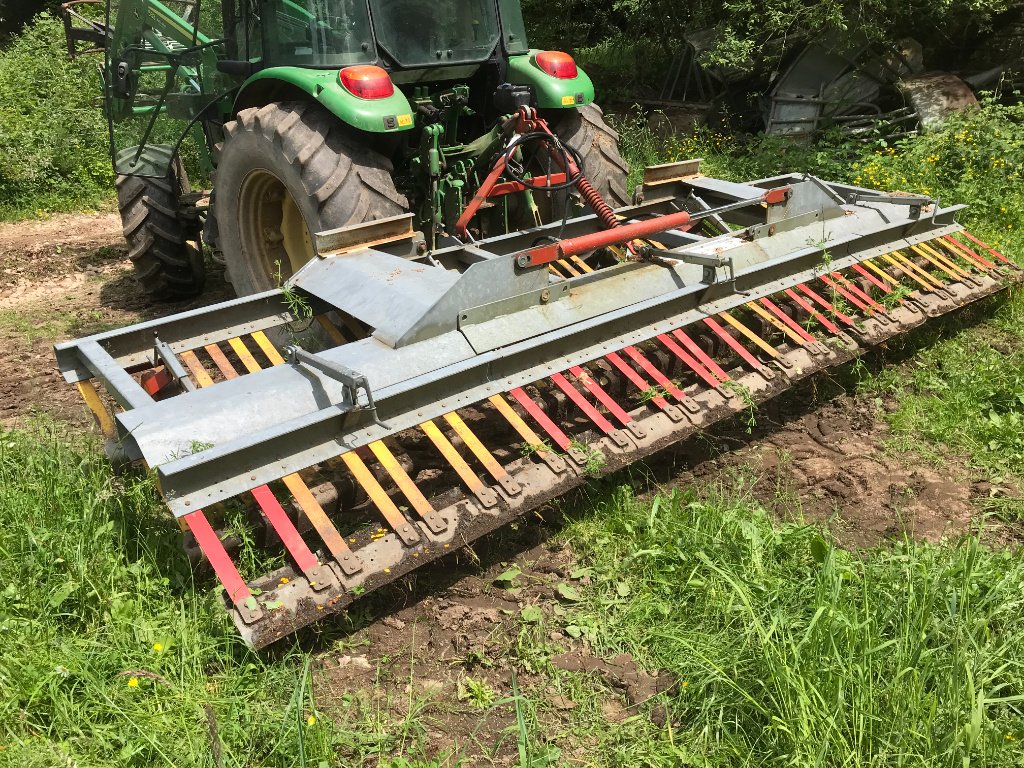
(167, 266)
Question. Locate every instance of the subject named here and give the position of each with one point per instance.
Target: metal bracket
(162, 353)
(352, 381)
(914, 202)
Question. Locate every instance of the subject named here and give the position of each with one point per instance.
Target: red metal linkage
(825, 305)
(598, 392)
(511, 187)
(879, 284)
(556, 434)
(846, 294)
(961, 248)
(285, 529)
(736, 347)
(576, 246)
(649, 368)
(219, 559)
(857, 291)
(801, 302)
(987, 247)
(581, 402)
(789, 322)
(701, 355)
(635, 378)
(690, 362)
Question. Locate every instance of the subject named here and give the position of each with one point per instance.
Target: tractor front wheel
(167, 265)
(288, 170)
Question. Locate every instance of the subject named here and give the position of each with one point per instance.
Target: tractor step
(458, 398)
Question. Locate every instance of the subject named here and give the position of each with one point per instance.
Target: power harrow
(468, 384)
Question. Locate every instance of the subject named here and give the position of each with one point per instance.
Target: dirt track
(69, 276)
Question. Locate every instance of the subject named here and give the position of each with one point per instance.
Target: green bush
(53, 137)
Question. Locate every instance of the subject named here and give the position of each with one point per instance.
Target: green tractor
(312, 115)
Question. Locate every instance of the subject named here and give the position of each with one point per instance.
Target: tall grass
(791, 651)
(111, 656)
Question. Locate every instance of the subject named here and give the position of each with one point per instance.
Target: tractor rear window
(417, 33)
(318, 33)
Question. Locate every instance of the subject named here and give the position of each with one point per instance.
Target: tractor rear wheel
(167, 265)
(598, 144)
(288, 170)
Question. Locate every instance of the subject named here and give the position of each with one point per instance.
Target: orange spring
(596, 202)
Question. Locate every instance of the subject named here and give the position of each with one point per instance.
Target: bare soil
(62, 278)
(424, 647)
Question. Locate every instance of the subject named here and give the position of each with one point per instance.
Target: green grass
(113, 657)
(791, 651)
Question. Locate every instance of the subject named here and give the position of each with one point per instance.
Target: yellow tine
(377, 494)
(334, 541)
(332, 330)
(196, 368)
(554, 271)
(581, 264)
(244, 355)
(315, 513)
(268, 349)
(768, 348)
(881, 273)
(225, 366)
(907, 269)
(401, 478)
(775, 322)
(573, 272)
(530, 437)
(899, 255)
(92, 399)
(940, 260)
(478, 449)
(443, 444)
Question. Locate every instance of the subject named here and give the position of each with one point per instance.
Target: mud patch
(63, 278)
(833, 466)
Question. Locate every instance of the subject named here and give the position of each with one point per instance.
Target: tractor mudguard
(552, 92)
(387, 115)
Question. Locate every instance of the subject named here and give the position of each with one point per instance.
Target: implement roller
(465, 384)
(450, 309)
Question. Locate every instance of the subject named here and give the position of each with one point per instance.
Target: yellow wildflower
(311, 720)
(158, 647)
(133, 682)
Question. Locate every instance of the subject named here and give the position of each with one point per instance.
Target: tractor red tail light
(557, 64)
(366, 82)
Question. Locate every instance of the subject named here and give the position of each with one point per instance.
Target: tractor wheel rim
(274, 235)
